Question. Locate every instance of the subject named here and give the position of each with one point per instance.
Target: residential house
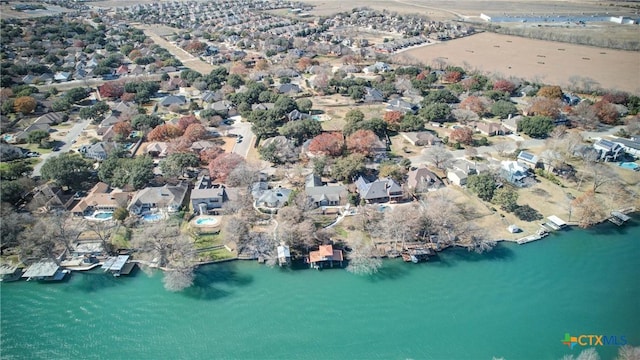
(157, 149)
(608, 150)
(201, 145)
(173, 100)
(516, 173)
(101, 197)
(23, 136)
(457, 177)
(297, 115)
(630, 146)
(528, 159)
(376, 68)
(288, 89)
(167, 198)
(262, 106)
(325, 254)
(421, 138)
(98, 151)
(511, 123)
(491, 128)
(269, 198)
(322, 194)
(372, 95)
(402, 106)
(106, 124)
(207, 195)
(212, 96)
(223, 107)
(380, 190)
(423, 179)
(61, 76)
(50, 197)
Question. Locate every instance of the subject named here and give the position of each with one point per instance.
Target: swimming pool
(152, 217)
(630, 166)
(7, 137)
(101, 215)
(206, 221)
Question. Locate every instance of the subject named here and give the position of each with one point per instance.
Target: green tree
(120, 213)
(354, 116)
(346, 168)
(175, 164)
(503, 109)
(144, 121)
(536, 126)
(36, 136)
(442, 96)
(506, 198)
(483, 185)
(301, 130)
(14, 170)
(304, 105)
(76, 94)
(436, 112)
(66, 169)
(392, 170)
(235, 81)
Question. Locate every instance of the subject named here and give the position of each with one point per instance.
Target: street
(73, 134)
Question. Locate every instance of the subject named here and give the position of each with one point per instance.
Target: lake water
(516, 302)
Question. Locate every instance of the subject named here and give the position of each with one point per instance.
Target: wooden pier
(537, 236)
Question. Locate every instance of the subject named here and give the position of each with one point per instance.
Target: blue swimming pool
(152, 217)
(207, 221)
(103, 215)
(630, 166)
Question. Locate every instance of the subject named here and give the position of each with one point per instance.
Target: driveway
(73, 134)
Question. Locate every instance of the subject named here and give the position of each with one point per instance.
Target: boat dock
(118, 265)
(537, 236)
(619, 218)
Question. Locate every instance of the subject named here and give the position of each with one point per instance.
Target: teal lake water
(516, 302)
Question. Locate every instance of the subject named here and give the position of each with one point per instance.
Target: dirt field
(545, 61)
(192, 62)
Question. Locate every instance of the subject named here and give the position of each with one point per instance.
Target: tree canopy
(66, 169)
(483, 185)
(536, 126)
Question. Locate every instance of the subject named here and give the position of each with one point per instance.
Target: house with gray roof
(608, 150)
(423, 179)
(322, 194)
(380, 190)
(173, 100)
(528, 159)
(169, 198)
(372, 95)
(207, 195)
(402, 106)
(98, 151)
(269, 197)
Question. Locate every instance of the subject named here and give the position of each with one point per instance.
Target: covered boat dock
(46, 270)
(118, 265)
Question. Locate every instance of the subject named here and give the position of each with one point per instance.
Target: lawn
(120, 238)
(207, 241)
(215, 255)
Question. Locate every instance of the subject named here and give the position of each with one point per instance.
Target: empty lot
(544, 61)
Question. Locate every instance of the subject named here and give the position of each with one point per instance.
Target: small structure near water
(325, 254)
(554, 223)
(284, 255)
(619, 218)
(118, 265)
(45, 270)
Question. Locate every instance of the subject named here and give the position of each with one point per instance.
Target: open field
(544, 61)
(443, 9)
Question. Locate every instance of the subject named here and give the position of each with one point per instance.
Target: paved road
(243, 129)
(68, 141)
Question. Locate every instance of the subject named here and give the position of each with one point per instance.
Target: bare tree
(401, 225)
(363, 259)
(584, 115)
(242, 176)
(503, 147)
(628, 352)
(438, 156)
(103, 230)
(589, 208)
(443, 217)
(236, 230)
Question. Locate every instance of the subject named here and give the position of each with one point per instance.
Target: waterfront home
(167, 198)
(284, 255)
(322, 194)
(269, 198)
(608, 150)
(528, 159)
(207, 195)
(423, 179)
(630, 146)
(516, 173)
(380, 190)
(100, 198)
(325, 254)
